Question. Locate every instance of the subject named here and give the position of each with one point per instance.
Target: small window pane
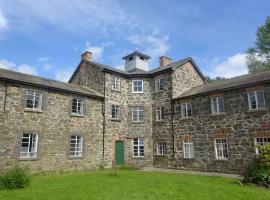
(138, 147)
(28, 147)
(221, 148)
(77, 106)
(75, 146)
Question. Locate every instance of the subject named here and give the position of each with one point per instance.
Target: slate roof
(228, 84)
(136, 53)
(16, 77)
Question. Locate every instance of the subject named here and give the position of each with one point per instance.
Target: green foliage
(258, 57)
(264, 157)
(259, 174)
(210, 80)
(16, 177)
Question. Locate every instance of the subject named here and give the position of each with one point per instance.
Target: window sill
(33, 110)
(137, 92)
(76, 115)
(160, 121)
(114, 90)
(257, 110)
(222, 159)
(28, 159)
(75, 157)
(137, 122)
(187, 118)
(115, 120)
(218, 114)
(139, 158)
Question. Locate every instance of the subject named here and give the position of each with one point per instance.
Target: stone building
(164, 117)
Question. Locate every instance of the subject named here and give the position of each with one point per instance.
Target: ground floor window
(138, 147)
(261, 141)
(161, 146)
(29, 143)
(221, 148)
(76, 146)
(188, 147)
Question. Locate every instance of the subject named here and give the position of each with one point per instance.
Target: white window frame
(34, 95)
(184, 109)
(31, 149)
(256, 99)
(161, 148)
(139, 146)
(215, 104)
(78, 101)
(264, 141)
(78, 146)
(188, 149)
(160, 114)
(116, 83)
(133, 82)
(117, 111)
(158, 84)
(137, 110)
(219, 147)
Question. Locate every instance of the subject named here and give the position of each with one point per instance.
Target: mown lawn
(132, 185)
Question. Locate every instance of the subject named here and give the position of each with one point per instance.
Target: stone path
(152, 169)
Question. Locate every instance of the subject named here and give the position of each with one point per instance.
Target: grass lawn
(131, 185)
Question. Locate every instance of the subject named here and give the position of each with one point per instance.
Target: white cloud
(63, 74)
(230, 67)
(24, 68)
(3, 21)
(96, 50)
(152, 44)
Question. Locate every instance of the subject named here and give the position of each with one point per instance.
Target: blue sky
(46, 37)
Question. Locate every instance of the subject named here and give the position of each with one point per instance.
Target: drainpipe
(172, 124)
(103, 113)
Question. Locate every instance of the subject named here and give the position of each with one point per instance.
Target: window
(115, 112)
(221, 148)
(33, 99)
(138, 147)
(261, 141)
(137, 86)
(186, 109)
(256, 99)
(217, 104)
(29, 143)
(188, 149)
(116, 83)
(75, 146)
(77, 106)
(137, 114)
(159, 84)
(161, 146)
(160, 114)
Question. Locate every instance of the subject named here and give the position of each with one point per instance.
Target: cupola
(136, 60)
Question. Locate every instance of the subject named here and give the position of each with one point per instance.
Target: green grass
(131, 185)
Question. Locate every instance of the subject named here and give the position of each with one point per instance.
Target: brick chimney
(87, 55)
(163, 61)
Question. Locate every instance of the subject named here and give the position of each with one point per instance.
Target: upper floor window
(76, 144)
(221, 148)
(115, 112)
(77, 106)
(217, 104)
(137, 114)
(34, 99)
(116, 83)
(160, 114)
(137, 86)
(161, 146)
(256, 99)
(29, 143)
(188, 149)
(186, 109)
(159, 84)
(261, 141)
(138, 147)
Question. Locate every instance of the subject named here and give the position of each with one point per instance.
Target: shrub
(16, 177)
(259, 174)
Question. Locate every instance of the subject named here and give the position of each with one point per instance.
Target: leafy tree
(211, 80)
(258, 57)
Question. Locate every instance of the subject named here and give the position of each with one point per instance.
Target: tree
(210, 80)
(258, 57)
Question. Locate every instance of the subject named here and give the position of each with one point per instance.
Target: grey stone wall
(54, 125)
(238, 124)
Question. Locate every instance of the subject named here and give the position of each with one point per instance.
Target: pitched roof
(26, 79)
(139, 72)
(228, 84)
(136, 53)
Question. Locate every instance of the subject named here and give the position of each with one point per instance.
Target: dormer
(136, 60)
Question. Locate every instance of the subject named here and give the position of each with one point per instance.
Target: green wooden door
(119, 152)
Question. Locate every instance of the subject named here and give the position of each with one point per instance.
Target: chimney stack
(87, 55)
(163, 61)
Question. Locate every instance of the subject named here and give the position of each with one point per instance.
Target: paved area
(152, 169)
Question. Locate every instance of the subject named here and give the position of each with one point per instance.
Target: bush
(16, 177)
(259, 174)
